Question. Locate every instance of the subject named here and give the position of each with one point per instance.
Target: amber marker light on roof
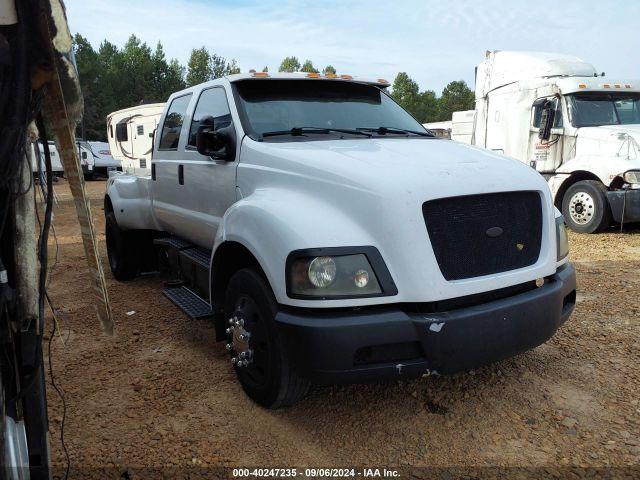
(346, 77)
(313, 75)
(582, 85)
(606, 85)
(617, 85)
(382, 80)
(260, 74)
(626, 85)
(330, 75)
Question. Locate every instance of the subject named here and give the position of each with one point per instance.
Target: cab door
(545, 155)
(210, 182)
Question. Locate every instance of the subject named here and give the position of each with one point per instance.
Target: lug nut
(229, 330)
(244, 336)
(228, 346)
(231, 321)
(234, 360)
(243, 355)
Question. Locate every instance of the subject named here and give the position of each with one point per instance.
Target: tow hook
(242, 355)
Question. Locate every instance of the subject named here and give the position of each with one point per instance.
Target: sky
(435, 42)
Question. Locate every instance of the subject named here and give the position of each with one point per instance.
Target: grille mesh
(458, 229)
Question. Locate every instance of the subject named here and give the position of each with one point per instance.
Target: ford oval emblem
(494, 232)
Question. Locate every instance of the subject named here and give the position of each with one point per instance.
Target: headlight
(632, 176)
(562, 240)
(333, 273)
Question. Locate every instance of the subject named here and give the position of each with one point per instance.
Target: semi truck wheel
(122, 250)
(264, 370)
(585, 207)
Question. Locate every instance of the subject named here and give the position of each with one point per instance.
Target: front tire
(585, 207)
(269, 378)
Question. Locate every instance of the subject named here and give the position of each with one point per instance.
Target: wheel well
(108, 206)
(575, 177)
(228, 259)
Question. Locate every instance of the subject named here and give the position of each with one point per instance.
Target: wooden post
(61, 113)
(55, 112)
(25, 244)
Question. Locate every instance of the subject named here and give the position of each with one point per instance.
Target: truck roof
(501, 68)
(379, 82)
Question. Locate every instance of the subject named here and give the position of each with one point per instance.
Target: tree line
(114, 78)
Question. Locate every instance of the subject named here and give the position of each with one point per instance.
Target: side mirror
(218, 144)
(547, 118)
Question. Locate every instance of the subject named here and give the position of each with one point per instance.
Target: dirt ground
(161, 393)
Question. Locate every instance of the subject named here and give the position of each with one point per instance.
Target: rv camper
(130, 134)
(56, 165)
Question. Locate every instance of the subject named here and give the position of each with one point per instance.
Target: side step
(174, 242)
(190, 303)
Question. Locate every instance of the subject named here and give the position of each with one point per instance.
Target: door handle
(181, 174)
(153, 171)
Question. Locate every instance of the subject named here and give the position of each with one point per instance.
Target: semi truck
(330, 238)
(578, 128)
(130, 135)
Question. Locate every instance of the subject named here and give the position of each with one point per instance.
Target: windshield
(269, 106)
(594, 109)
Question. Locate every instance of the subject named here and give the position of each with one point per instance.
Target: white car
(331, 238)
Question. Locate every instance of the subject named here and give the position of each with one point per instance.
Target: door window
(537, 115)
(212, 103)
(173, 123)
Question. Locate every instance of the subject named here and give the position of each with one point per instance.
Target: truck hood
(422, 167)
(337, 193)
(606, 151)
(609, 140)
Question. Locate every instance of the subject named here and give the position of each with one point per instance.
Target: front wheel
(585, 207)
(263, 368)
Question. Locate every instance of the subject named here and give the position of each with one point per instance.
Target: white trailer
(56, 164)
(557, 114)
(130, 134)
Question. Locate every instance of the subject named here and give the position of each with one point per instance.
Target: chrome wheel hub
(242, 355)
(581, 208)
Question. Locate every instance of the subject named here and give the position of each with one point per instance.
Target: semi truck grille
(477, 235)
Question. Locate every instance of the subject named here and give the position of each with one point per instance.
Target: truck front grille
(477, 235)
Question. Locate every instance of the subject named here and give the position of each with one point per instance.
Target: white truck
(580, 130)
(130, 135)
(331, 238)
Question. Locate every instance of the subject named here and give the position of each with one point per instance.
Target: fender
(272, 223)
(606, 168)
(131, 199)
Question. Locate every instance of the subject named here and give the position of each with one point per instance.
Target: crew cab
(331, 238)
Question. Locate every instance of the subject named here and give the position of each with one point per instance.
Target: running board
(190, 303)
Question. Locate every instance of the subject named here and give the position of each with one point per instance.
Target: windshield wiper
(395, 131)
(299, 131)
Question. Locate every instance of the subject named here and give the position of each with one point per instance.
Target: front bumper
(625, 205)
(388, 343)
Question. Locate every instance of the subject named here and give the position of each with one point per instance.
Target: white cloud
(434, 41)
